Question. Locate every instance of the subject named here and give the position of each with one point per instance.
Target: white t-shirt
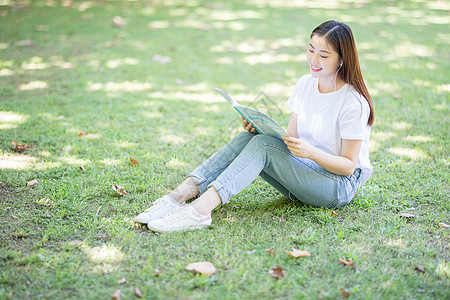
(325, 119)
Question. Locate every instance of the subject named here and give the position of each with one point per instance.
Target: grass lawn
(141, 86)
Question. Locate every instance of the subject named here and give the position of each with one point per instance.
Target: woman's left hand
(299, 147)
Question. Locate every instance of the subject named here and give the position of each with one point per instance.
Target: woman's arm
(344, 164)
(292, 127)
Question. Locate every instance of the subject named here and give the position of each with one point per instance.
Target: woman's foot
(160, 208)
(181, 218)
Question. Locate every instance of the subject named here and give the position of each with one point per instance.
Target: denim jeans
(231, 169)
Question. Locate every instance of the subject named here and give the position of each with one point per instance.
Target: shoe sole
(178, 229)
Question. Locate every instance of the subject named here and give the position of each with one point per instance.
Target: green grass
(81, 73)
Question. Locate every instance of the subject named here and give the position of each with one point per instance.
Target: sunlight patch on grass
(443, 269)
(33, 85)
(419, 138)
(103, 254)
(205, 97)
(16, 161)
(127, 86)
(111, 162)
(402, 125)
(124, 144)
(411, 153)
(9, 120)
(6, 72)
(75, 161)
(266, 58)
(174, 139)
(176, 163)
(443, 89)
(408, 49)
(396, 243)
(115, 63)
(35, 63)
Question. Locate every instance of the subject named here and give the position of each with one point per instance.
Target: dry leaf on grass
(157, 272)
(443, 225)
(134, 162)
(82, 169)
(277, 272)
(32, 182)
(420, 269)
(137, 293)
(19, 148)
(116, 295)
(122, 280)
(271, 252)
(202, 267)
(81, 133)
(334, 214)
(344, 293)
(119, 190)
(348, 263)
(407, 215)
(298, 253)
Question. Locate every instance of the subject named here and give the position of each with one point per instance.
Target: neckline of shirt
(316, 89)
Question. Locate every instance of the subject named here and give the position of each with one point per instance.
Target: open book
(262, 122)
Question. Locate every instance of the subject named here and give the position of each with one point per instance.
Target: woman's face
(322, 58)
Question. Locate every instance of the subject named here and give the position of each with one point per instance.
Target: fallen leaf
(116, 295)
(344, 293)
(119, 22)
(138, 292)
(119, 190)
(420, 269)
(348, 263)
(334, 214)
(82, 169)
(32, 182)
(277, 272)
(19, 148)
(443, 225)
(81, 133)
(134, 162)
(298, 253)
(162, 59)
(271, 252)
(202, 267)
(122, 280)
(407, 215)
(157, 272)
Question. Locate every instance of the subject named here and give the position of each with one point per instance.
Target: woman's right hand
(248, 126)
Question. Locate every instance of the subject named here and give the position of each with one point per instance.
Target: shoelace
(157, 205)
(176, 215)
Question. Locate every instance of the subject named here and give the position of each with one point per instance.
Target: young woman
(322, 161)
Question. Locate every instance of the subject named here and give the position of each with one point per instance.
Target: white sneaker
(160, 207)
(183, 217)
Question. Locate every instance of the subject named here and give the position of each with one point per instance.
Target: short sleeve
(353, 120)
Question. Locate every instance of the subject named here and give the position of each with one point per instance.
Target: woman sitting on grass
(322, 161)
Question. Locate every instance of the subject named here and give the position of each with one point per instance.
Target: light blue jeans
(238, 163)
